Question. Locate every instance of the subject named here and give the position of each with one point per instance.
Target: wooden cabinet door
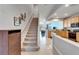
(14, 43)
(3, 42)
(49, 34)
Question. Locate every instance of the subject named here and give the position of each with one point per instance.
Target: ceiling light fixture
(67, 5)
(55, 19)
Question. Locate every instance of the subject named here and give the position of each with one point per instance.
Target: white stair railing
(24, 32)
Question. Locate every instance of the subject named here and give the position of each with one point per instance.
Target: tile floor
(47, 51)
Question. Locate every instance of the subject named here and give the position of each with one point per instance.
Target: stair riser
(35, 21)
(34, 24)
(29, 44)
(32, 31)
(31, 35)
(31, 40)
(33, 27)
(30, 49)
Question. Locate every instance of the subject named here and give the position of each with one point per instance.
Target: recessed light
(55, 19)
(67, 5)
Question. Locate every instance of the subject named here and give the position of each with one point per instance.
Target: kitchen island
(64, 46)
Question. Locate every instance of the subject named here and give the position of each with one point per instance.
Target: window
(56, 25)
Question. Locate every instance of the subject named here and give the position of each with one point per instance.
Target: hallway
(46, 51)
(39, 29)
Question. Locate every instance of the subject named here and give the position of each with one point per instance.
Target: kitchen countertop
(66, 40)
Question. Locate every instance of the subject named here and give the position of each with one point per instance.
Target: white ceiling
(49, 11)
(44, 10)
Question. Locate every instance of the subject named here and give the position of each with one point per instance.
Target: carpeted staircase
(30, 42)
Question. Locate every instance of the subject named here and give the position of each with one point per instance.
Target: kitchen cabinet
(68, 21)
